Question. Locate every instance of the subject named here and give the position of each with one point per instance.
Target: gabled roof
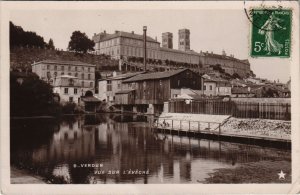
(154, 75)
(90, 99)
(124, 76)
(63, 62)
(106, 36)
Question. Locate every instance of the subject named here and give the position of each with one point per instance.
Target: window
(178, 82)
(55, 67)
(89, 76)
(48, 67)
(82, 83)
(71, 82)
(210, 87)
(76, 74)
(144, 84)
(204, 87)
(62, 73)
(160, 82)
(109, 86)
(70, 99)
(91, 84)
(62, 68)
(66, 90)
(75, 90)
(89, 69)
(69, 68)
(69, 74)
(82, 76)
(76, 68)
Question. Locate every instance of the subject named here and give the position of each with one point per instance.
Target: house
(214, 86)
(153, 89)
(68, 88)
(237, 92)
(108, 87)
(89, 103)
(49, 70)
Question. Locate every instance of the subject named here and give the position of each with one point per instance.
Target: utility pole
(145, 47)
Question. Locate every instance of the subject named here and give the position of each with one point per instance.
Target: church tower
(184, 39)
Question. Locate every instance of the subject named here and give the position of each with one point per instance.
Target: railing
(279, 111)
(188, 126)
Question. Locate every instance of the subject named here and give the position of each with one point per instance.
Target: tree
(30, 96)
(80, 42)
(51, 44)
(18, 37)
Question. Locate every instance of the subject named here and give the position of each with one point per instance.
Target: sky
(211, 30)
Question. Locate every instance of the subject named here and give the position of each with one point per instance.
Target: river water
(111, 148)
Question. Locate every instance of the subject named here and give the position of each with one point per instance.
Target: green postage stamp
(271, 32)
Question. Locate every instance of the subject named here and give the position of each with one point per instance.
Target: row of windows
(139, 52)
(69, 68)
(109, 43)
(70, 74)
(210, 87)
(66, 90)
(114, 42)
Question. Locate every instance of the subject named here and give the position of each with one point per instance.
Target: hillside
(22, 58)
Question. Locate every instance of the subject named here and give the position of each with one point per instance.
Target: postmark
(270, 32)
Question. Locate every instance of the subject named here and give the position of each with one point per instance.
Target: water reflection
(65, 151)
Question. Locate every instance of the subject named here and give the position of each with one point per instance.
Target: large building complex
(70, 79)
(124, 45)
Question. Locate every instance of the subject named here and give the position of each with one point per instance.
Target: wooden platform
(238, 138)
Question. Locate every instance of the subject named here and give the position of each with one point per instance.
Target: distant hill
(21, 58)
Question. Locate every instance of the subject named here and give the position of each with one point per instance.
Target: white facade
(68, 88)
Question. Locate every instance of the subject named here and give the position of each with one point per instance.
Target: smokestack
(145, 47)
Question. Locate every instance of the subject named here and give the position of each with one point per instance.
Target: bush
(69, 108)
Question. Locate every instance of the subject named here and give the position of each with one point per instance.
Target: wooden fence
(278, 111)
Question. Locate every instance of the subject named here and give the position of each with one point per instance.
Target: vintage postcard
(150, 97)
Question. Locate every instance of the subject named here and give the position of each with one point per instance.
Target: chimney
(145, 47)
(104, 32)
(114, 73)
(116, 31)
(132, 32)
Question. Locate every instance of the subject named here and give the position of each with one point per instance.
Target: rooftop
(62, 62)
(125, 91)
(124, 76)
(155, 75)
(67, 76)
(90, 99)
(105, 36)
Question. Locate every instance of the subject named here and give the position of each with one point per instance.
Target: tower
(167, 40)
(184, 39)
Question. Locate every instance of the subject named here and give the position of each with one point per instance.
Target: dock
(213, 131)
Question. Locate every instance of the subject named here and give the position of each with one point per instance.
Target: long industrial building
(124, 45)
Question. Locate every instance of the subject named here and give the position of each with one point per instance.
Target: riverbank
(18, 176)
(277, 129)
(253, 172)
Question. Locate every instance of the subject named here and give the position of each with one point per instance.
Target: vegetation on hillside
(20, 38)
